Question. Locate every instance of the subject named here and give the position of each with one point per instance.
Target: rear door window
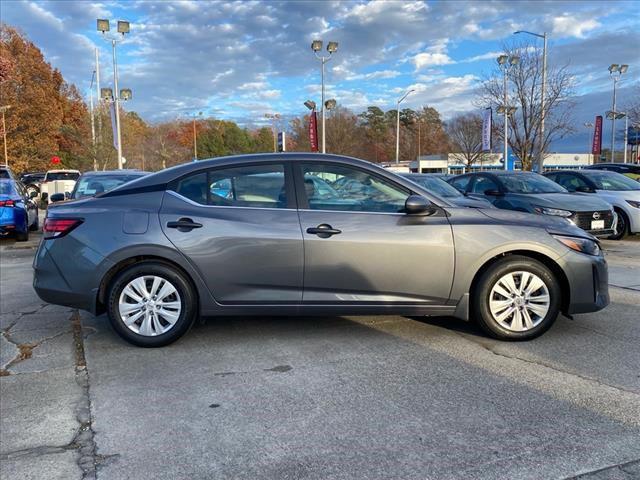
(460, 183)
(258, 186)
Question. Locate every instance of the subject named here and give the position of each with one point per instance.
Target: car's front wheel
(516, 298)
(622, 226)
(151, 304)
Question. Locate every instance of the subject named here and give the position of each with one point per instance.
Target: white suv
(58, 181)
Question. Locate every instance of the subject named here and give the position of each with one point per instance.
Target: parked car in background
(630, 170)
(32, 181)
(618, 190)
(533, 193)
(94, 183)
(18, 212)
(6, 173)
(437, 186)
(58, 181)
(273, 243)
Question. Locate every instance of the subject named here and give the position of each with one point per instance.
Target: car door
(238, 226)
(482, 184)
(358, 246)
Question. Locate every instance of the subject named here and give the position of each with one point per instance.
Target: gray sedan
(259, 235)
(438, 186)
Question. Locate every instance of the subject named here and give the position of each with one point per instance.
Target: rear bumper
(52, 286)
(588, 278)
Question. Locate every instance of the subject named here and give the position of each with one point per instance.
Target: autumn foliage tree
(47, 116)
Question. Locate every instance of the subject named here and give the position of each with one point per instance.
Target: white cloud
(573, 26)
(380, 74)
(427, 59)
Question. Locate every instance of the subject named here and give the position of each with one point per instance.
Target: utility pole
(4, 108)
(93, 124)
(398, 124)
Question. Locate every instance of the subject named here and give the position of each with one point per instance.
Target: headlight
(553, 211)
(633, 203)
(579, 244)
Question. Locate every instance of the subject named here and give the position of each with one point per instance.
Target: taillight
(7, 203)
(58, 227)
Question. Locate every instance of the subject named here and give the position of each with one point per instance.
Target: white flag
(486, 130)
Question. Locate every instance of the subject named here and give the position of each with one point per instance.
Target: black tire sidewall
(488, 279)
(621, 216)
(179, 281)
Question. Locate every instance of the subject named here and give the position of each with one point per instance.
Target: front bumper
(588, 278)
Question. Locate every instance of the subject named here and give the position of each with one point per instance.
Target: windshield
(92, 185)
(52, 176)
(435, 185)
(4, 174)
(7, 187)
(530, 183)
(612, 181)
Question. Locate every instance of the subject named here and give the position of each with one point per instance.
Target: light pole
(274, 117)
(93, 123)
(543, 112)
(195, 138)
(589, 125)
(398, 124)
(505, 63)
(4, 108)
(123, 28)
(615, 72)
(332, 47)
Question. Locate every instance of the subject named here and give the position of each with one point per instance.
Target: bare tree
(524, 84)
(465, 136)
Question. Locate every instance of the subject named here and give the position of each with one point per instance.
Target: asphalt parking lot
(318, 398)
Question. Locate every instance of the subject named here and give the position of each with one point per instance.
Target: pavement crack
(595, 474)
(88, 459)
(25, 350)
(555, 368)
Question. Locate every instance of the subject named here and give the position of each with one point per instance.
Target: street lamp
(615, 72)
(543, 112)
(332, 47)
(589, 126)
(274, 117)
(505, 63)
(103, 26)
(612, 115)
(3, 109)
(398, 124)
(310, 104)
(195, 138)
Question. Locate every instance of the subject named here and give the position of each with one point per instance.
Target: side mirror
(418, 205)
(57, 197)
(493, 193)
(33, 194)
(584, 189)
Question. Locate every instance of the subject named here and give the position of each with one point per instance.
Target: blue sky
(240, 60)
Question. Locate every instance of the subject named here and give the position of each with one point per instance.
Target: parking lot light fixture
(310, 104)
(3, 109)
(123, 28)
(506, 63)
(103, 25)
(615, 72)
(398, 123)
(106, 94)
(330, 104)
(332, 47)
(126, 94)
(274, 117)
(502, 59)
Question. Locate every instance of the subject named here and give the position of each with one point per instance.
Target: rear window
(95, 184)
(52, 176)
(7, 187)
(4, 174)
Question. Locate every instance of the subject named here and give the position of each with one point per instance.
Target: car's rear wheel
(151, 304)
(516, 298)
(622, 226)
(36, 224)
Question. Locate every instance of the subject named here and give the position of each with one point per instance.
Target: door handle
(323, 230)
(184, 225)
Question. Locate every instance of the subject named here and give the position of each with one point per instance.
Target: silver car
(263, 235)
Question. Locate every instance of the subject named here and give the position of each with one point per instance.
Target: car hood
(470, 202)
(548, 222)
(576, 202)
(620, 194)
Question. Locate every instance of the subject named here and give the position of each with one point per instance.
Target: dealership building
(453, 163)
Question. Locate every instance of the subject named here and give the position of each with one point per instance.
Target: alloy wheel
(149, 305)
(519, 301)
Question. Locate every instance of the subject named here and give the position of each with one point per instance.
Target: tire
(152, 328)
(487, 301)
(22, 236)
(622, 227)
(36, 224)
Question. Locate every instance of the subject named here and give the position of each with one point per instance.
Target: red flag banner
(313, 131)
(597, 136)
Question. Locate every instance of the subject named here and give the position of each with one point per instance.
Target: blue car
(18, 212)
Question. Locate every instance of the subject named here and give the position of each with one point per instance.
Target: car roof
(63, 171)
(92, 173)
